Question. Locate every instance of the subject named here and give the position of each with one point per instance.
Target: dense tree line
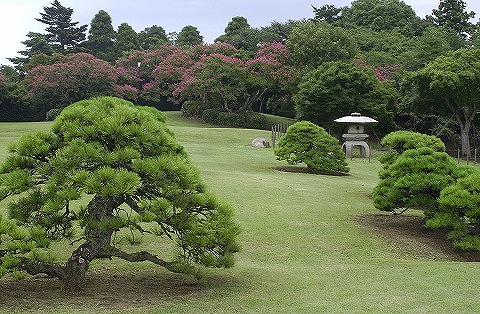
(376, 56)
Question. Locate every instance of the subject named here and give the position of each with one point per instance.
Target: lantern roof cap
(357, 118)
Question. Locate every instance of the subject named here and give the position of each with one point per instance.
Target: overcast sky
(17, 17)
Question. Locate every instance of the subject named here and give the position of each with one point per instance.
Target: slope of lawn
(301, 251)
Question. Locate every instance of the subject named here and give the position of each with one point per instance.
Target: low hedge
(248, 119)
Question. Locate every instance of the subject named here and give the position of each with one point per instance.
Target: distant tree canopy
(385, 36)
(102, 37)
(127, 40)
(381, 15)
(239, 34)
(312, 44)
(189, 36)
(338, 88)
(152, 37)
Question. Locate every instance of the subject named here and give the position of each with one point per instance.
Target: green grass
(301, 251)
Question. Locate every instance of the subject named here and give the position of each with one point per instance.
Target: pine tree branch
(146, 256)
(36, 267)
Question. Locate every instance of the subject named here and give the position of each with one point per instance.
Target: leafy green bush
(308, 143)
(400, 141)
(193, 108)
(210, 115)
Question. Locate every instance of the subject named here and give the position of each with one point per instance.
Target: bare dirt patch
(297, 169)
(408, 235)
(105, 292)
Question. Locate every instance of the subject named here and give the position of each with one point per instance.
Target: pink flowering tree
(218, 80)
(177, 68)
(78, 76)
(136, 71)
(276, 79)
(382, 72)
(217, 76)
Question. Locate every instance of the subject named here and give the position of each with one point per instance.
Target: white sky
(17, 17)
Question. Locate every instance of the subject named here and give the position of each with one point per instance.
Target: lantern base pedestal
(349, 145)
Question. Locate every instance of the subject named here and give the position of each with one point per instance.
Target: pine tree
(36, 44)
(452, 16)
(139, 184)
(101, 37)
(63, 34)
(127, 40)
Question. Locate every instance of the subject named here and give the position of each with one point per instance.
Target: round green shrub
(306, 142)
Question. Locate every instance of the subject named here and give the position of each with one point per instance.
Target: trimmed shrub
(460, 212)
(309, 143)
(210, 116)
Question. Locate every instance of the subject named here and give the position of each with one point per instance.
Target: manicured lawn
(301, 251)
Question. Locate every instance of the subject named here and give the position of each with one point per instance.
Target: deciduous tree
(340, 88)
(450, 85)
(313, 43)
(382, 15)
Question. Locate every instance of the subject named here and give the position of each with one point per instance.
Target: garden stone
(260, 142)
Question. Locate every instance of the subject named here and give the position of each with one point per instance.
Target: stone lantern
(355, 135)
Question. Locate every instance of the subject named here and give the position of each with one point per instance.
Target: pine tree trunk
(97, 242)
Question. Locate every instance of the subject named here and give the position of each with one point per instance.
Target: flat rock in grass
(260, 142)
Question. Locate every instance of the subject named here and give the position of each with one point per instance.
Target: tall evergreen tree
(101, 37)
(452, 16)
(127, 39)
(239, 34)
(36, 44)
(63, 34)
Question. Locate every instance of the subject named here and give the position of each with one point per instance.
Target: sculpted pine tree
(136, 181)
